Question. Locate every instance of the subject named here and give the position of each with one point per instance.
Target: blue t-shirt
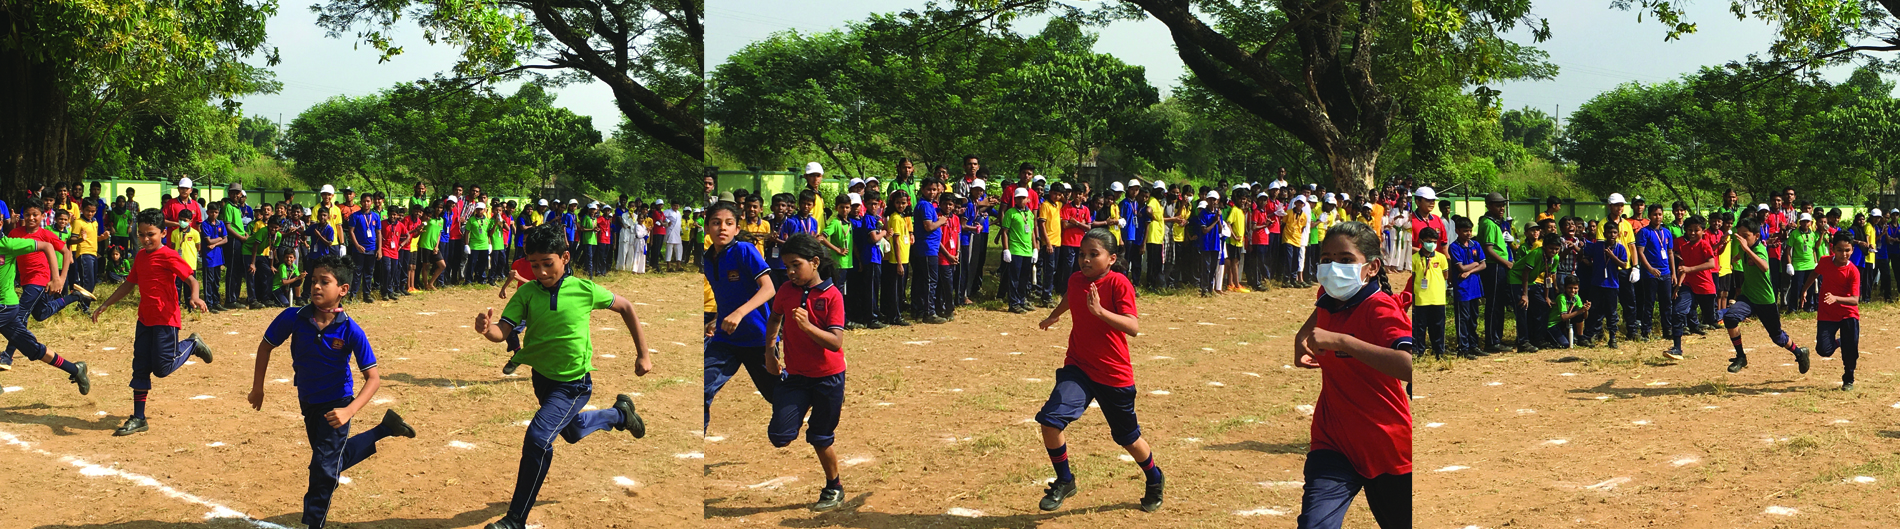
(864, 250)
(1471, 287)
(931, 239)
(1657, 244)
(1601, 270)
(1859, 258)
(1131, 214)
(213, 230)
(567, 219)
(365, 225)
(321, 357)
(1209, 222)
(798, 224)
(734, 277)
(318, 233)
(1893, 232)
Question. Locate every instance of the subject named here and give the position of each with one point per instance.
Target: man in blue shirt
(362, 228)
(325, 341)
(1605, 271)
(1657, 245)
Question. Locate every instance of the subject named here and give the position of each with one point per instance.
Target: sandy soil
(209, 459)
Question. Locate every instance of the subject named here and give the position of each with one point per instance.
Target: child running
(1359, 338)
(814, 363)
(1096, 368)
(13, 325)
(326, 340)
(561, 350)
(156, 349)
(1837, 324)
(1755, 296)
(741, 283)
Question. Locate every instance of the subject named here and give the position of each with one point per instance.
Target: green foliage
(1808, 33)
(1531, 129)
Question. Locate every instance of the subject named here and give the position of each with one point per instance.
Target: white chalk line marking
(1263, 511)
(773, 483)
(92, 470)
(1609, 483)
(691, 455)
(965, 513)
(462, 445)
(625, 482)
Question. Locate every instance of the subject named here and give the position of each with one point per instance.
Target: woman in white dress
(1401, 256)
(629, 241)
(639, 240)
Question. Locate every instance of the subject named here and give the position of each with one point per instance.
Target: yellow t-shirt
(1180, 231)
(88, 232)
(1051, 216)
(901, 238)
(758, 232)
(186, 243)
(1237, 220)
(1114, 213)
(1626, 237)
(1722, 262)
(1378, 219)
(1291, 226)
(1157, 225)
(1428, 279)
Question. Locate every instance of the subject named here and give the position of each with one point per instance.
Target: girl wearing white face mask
(1359, 337)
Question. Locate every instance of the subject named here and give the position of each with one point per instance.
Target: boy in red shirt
(1837, 323)
(1096, 369)
(156, 349)
(1076, 220)
(1359, 338)
(813, 359)
(947, 257)
(1695, 276)
(395, 237)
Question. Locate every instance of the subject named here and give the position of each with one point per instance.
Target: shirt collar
(309, 313)
(1334, 305)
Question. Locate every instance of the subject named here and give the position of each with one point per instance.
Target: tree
(551, 142)
(649, 52)
(1530, 128)
(340, 139)
(1809, 33)
(1081, 99)
(76, 71)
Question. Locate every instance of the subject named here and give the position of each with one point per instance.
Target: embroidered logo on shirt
(732, 275)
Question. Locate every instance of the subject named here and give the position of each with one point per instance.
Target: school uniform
(1096, 367)
(214, 260)
(1208, 222)
(948, 295)
(12, 319)
(1070, 244)
(1756, 297)
(1655, 300)
(893, 289)
(1428, 300)
(1018, 226)
(1557, 329)
(1049, 222)
(1837, 326)
(839, 234)
(560, 348)
(156, 349)
(85, 257)
(320, 359)
(1697, 290)
(814, 375)
(365, 226)
(1495, 279)
(867, 265)
(1466, 293)
(1607, 281)
(1526, 281)
(733, 275)
(1362, 423)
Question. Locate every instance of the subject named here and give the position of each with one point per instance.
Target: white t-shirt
(672, 226)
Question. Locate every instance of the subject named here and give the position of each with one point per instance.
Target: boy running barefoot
(561, 351)
(326, 340)
(1755, 296)
(156, 349)
(1096, 368)
(13, 326)
(1360, 339)
(814, 359)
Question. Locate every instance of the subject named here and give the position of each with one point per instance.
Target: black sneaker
(132, 425)
(6, 363)
(509, 368)
(1058, 490)
(255, 306)
(900, 322)
(81, 378)
(199, 349)
(1801, 359)
(1497, 349)
(1612, 343)
(394, 425)
(1151, 501)
(935, 320)
(828, 499)
(875, 325)
(1847, 386)
(634, 424)
(507, 522)
(852, 326)
(1736, 364)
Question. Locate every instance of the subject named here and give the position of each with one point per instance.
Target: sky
(1595, 47)
(316, 68)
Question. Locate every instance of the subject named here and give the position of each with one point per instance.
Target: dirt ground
(938, 432)
(1625, 438)
(211, 460)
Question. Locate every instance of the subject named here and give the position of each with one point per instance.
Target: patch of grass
(988, 443)
(1226, 425)
(667, 383)
(890, 381)
(480, 359)
(1803, 402)
(1799, 445)
(1600, 363)
(988, 400)
(1885, 469)
(1716, 387)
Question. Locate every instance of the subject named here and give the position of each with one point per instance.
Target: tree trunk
(38, 142)
(1353, 168)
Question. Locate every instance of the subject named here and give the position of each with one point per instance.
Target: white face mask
(1431, 247)
(1341, 280)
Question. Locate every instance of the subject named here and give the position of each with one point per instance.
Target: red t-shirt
(825, 307)
(522, 267)
(157, 272)
(1259, 217)
(1274, 207)
(1777, 223)
(952, 226)
(1695, 252)
(1071, 236)
(1100, 350)
(33, 268)
(172, 207)
(1436, 223)
(1841, 280)
(394, 238)
(1363, 413)
(606, 225)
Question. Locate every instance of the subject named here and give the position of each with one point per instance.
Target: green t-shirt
(286, 271)
(586, 233)
(1563, 304)
(1675, 230)
(265, 236)
(1017, 222)
(59, 259)
(476, 229)
(11, 248)
(122, 224)
(1491, 235)
(1801, 249)
(560, 344)
(840, 235)
(1532, 264)
(234, 220)
(431, 234)
(1755, 288)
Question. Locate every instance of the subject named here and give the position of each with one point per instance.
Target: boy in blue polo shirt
(560, 348)
(741, 283)
(326, 340)
(1467, 262)
(216, 234)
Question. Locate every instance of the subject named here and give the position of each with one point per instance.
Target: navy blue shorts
(1071, 398)
(796, 395)
(1741, 309)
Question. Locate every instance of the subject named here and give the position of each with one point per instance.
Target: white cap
(1299, 199)
(1426, 192)
(856, 200)
(978, 182)
(870, 179)
(452, 198)
(1038, 178)
(1160, 185)
(306, 210)
(1616, 198)
(328, 190)
(544, 202)
(573, 202)
(659, 202)
(479, 205)
(1807, 217)
(184, 183)
(1213, 195)
(1332, 198)
(1874, 213)
(855, 181)
(1274, 185)
(1201, 204)
(1763, 207)
(1022, 192)
(1115, 186)
(1134, 182)
(1344, 197)
(813, 167)
(1262, 194)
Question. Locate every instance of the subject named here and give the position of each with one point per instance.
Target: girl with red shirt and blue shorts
(1096, 368)
(1360, 339)
(813, 359)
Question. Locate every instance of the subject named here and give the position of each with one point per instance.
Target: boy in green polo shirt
(429, 264)
(560, 348)
(837, 239)
(1020, 250)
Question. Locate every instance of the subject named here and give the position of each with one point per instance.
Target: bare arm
(644, 363)
(118, 294)
(825, 338)
(1126, 323)
(372, 380)
(264, 348)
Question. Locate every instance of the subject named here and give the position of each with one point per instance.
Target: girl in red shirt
(1096, 368)
(1837, 323)
(1360, 339)
(814, 359)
